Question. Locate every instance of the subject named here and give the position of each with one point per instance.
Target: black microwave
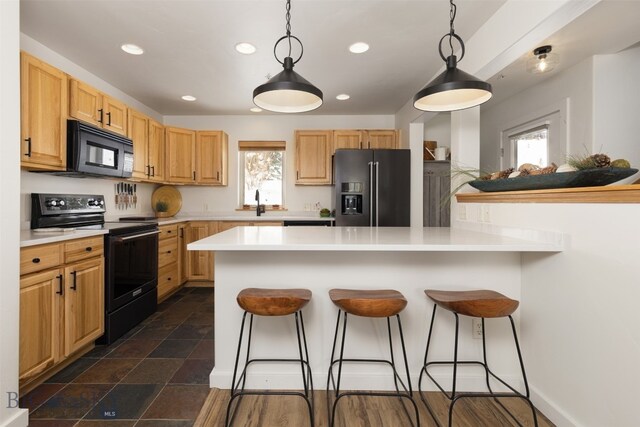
(94, 151)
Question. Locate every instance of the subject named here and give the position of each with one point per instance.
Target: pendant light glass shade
(453, 89)
(288, 91)
(543, 60)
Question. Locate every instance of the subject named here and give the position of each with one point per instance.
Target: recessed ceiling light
(189, 98)
(255, 109)
(246, 48)
(359, 47)
(133, 49)
(343, 97)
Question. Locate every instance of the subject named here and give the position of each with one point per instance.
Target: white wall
(10, 415)
(438, 129)
(616, 105)
(266, 127)
(575, 83)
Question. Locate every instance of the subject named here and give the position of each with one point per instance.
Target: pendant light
(288, 91)
(453, 89)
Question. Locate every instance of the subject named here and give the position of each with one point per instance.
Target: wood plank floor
(358, 411)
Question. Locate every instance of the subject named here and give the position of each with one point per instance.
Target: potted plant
(161, 209)
(325, 213)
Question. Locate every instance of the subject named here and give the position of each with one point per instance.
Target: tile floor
(157, 375)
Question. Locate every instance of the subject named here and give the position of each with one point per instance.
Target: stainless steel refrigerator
(372, 187)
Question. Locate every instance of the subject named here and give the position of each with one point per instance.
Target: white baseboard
(20, 418)
(552, 411)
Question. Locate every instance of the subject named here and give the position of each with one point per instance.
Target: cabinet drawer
(77, 250)
(167, 251)
(168, 231)
(38, 258)
(168, 279)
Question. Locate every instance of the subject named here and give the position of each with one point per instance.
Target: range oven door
(132, 267)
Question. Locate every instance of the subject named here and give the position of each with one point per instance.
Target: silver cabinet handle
(371, 194)
(124, 239)
(377, 186)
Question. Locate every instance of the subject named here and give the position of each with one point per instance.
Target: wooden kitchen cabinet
(382, 139)
(43, 115)
(436, 194)
(182, 253)
(156, 152)
(61, 304)
(199, 264)
(313, 157)
(41, 308)
(138, 132)
(180, 145)
(349, 139)
(211, 157)
(92, 106)
(168, 261)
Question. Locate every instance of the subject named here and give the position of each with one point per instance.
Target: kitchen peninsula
(321, 258)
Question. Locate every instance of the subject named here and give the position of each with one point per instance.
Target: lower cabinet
(199, 264)
(168, 261)
(61, 306)
(182, 252)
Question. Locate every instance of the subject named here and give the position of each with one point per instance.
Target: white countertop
(29, 238)
(241, 217)
(410, 239)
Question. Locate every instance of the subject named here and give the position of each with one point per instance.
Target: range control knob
(52, 203)
(94, 202)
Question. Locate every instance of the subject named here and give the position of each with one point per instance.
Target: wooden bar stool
(272, 302)
(368, 303)
(482, 304)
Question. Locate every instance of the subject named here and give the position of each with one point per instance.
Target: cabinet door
(199, 265)
(41, 304)
(43, 101)
(156, 151)
(381, 139)
(85, 103)
(115, 115)
(313, 157)
(180, 144)
(84, 303)
(138, 131)
(350, 139)
(211, 157)
(182, 253)
(436, 194)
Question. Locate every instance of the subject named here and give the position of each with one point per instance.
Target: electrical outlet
(476, 325)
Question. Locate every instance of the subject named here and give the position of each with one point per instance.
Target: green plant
(162, 206)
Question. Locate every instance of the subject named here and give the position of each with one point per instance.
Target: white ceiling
(189, 47)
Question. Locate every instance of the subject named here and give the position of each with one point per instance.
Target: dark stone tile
(165, 423)
(153, 371)
(189, 332)
(134, 348)
(107, 371)
(131, 332)
(155, 331)
(106, 423)
(193, 371)
(72, 402)
(202, 291)
(207, 309)
(172, 318)
(209, 335)
(183, 306)
(193, 300)
(69, 373)
(102, 350)
(52, 423)
(39, 395)
(125, 402)
(200, 318)
(182, 402)
(172, 349)
(204, 350)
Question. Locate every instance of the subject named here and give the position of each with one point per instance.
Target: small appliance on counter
(131, 256)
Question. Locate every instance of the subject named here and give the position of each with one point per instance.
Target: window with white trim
(261, 167)
(531, 146)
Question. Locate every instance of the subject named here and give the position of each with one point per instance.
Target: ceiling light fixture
(359, 47)
(132, 49)
(245, 48)
(288, 91)
(453, 89)
(189, 98)
(342, 97)
(544, 61)
(255, 109)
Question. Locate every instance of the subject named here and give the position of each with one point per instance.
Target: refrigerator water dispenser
(352, 204)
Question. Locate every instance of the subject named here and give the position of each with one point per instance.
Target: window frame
(531, 128)
(253, 146)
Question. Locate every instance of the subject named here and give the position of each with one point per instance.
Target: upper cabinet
(92, 106)
(43, 108)
(382, 139)
(148, 147)
(156, 152)
(211, 157)
(180, 145)
(374, 139)
(349, 139)
(313, 157)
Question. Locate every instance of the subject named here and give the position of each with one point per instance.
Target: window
(531, 146)
(261, 168)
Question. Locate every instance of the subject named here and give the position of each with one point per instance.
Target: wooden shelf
(607, 194)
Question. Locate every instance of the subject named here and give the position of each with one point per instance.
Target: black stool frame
(237, 388)
(453, 396)
(406, 394)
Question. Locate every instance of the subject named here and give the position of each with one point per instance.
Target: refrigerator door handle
(377, 164)
(371, 194)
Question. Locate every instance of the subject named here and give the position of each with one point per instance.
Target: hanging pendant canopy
(453, 89)
(288, 91)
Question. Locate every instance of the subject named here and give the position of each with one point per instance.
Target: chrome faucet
(259, 208)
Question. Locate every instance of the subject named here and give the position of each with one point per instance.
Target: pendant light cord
(288, 36)
(288, 26)
(451, 60)
(452, 16)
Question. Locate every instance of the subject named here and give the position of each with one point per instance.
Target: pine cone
(601, 160)
(549, 169)
(505, 173)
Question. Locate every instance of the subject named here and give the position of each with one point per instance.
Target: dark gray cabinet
(436, 194)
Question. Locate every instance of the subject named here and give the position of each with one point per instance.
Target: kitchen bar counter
(321, 258)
